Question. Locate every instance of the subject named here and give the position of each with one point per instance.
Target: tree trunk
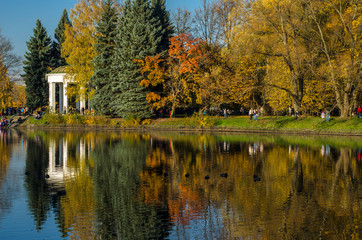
(172, 111)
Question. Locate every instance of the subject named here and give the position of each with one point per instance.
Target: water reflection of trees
(5, 154)
(134, 186)
(117, 176)
(58, 179)
(37, 188)
(5, 148)
(292, 200)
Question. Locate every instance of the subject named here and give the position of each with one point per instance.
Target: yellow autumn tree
(18, 97)
(214, 78)
(5, 87)
(11, 94)
(78, 47)
(338, 28)
(275, 31)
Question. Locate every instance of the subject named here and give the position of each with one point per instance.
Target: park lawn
(286, 123)
(266, 123)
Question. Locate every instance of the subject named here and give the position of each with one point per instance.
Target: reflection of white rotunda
(58, 168)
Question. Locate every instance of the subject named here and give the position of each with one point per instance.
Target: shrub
(90, 120)
(203, 120)
(53, 118)
(146, 122)
(114, 122)
(74, 119)
(131, 121)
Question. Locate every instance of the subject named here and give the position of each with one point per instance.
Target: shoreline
(351, 127)
(213, 129)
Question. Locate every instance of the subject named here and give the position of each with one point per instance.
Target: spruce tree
(137, 38)
(57, 60)
(36, 65)
(166, 29)
(105, 47)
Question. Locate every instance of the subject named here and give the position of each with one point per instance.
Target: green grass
(41, 121)
(290, 124)
(270, 123)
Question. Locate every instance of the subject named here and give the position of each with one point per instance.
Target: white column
(65, 97)
(61, 95)
(52, 96)
(82, 104)
(82, 100)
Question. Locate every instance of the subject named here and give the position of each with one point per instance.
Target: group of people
(326, 115)
(3, 122)
(253, 113)
(15, 111)
(293, 113)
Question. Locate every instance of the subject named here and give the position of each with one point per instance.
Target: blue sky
(18, 17)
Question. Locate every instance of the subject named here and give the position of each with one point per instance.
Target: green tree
(36, 65)
(137, 38)
(166, 30)
(104, 47)
(58, 60)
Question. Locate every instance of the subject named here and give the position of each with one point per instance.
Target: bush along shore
(277, 124)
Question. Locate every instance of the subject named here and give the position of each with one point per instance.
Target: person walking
(323, 115)
(359, 111)
(328, 113)
(251, 113)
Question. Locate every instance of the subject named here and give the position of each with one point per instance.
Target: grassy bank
(268, 123)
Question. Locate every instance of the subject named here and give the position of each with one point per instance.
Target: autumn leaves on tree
(11, 95)
(130, 59)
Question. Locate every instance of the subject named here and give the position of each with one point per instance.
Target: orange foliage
(170, 79)
(185, 201)
(182, 210)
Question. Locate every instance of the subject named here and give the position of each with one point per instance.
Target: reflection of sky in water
(16, 222)
(19, 224)
(207, 226)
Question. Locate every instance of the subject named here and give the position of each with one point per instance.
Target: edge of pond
(188, 129)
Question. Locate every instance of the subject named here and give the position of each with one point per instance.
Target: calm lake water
(165, 185)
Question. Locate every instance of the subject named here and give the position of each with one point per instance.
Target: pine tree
(36, 65)
(136, 39)
(104, 47)
(57, 60)
(166, 28)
